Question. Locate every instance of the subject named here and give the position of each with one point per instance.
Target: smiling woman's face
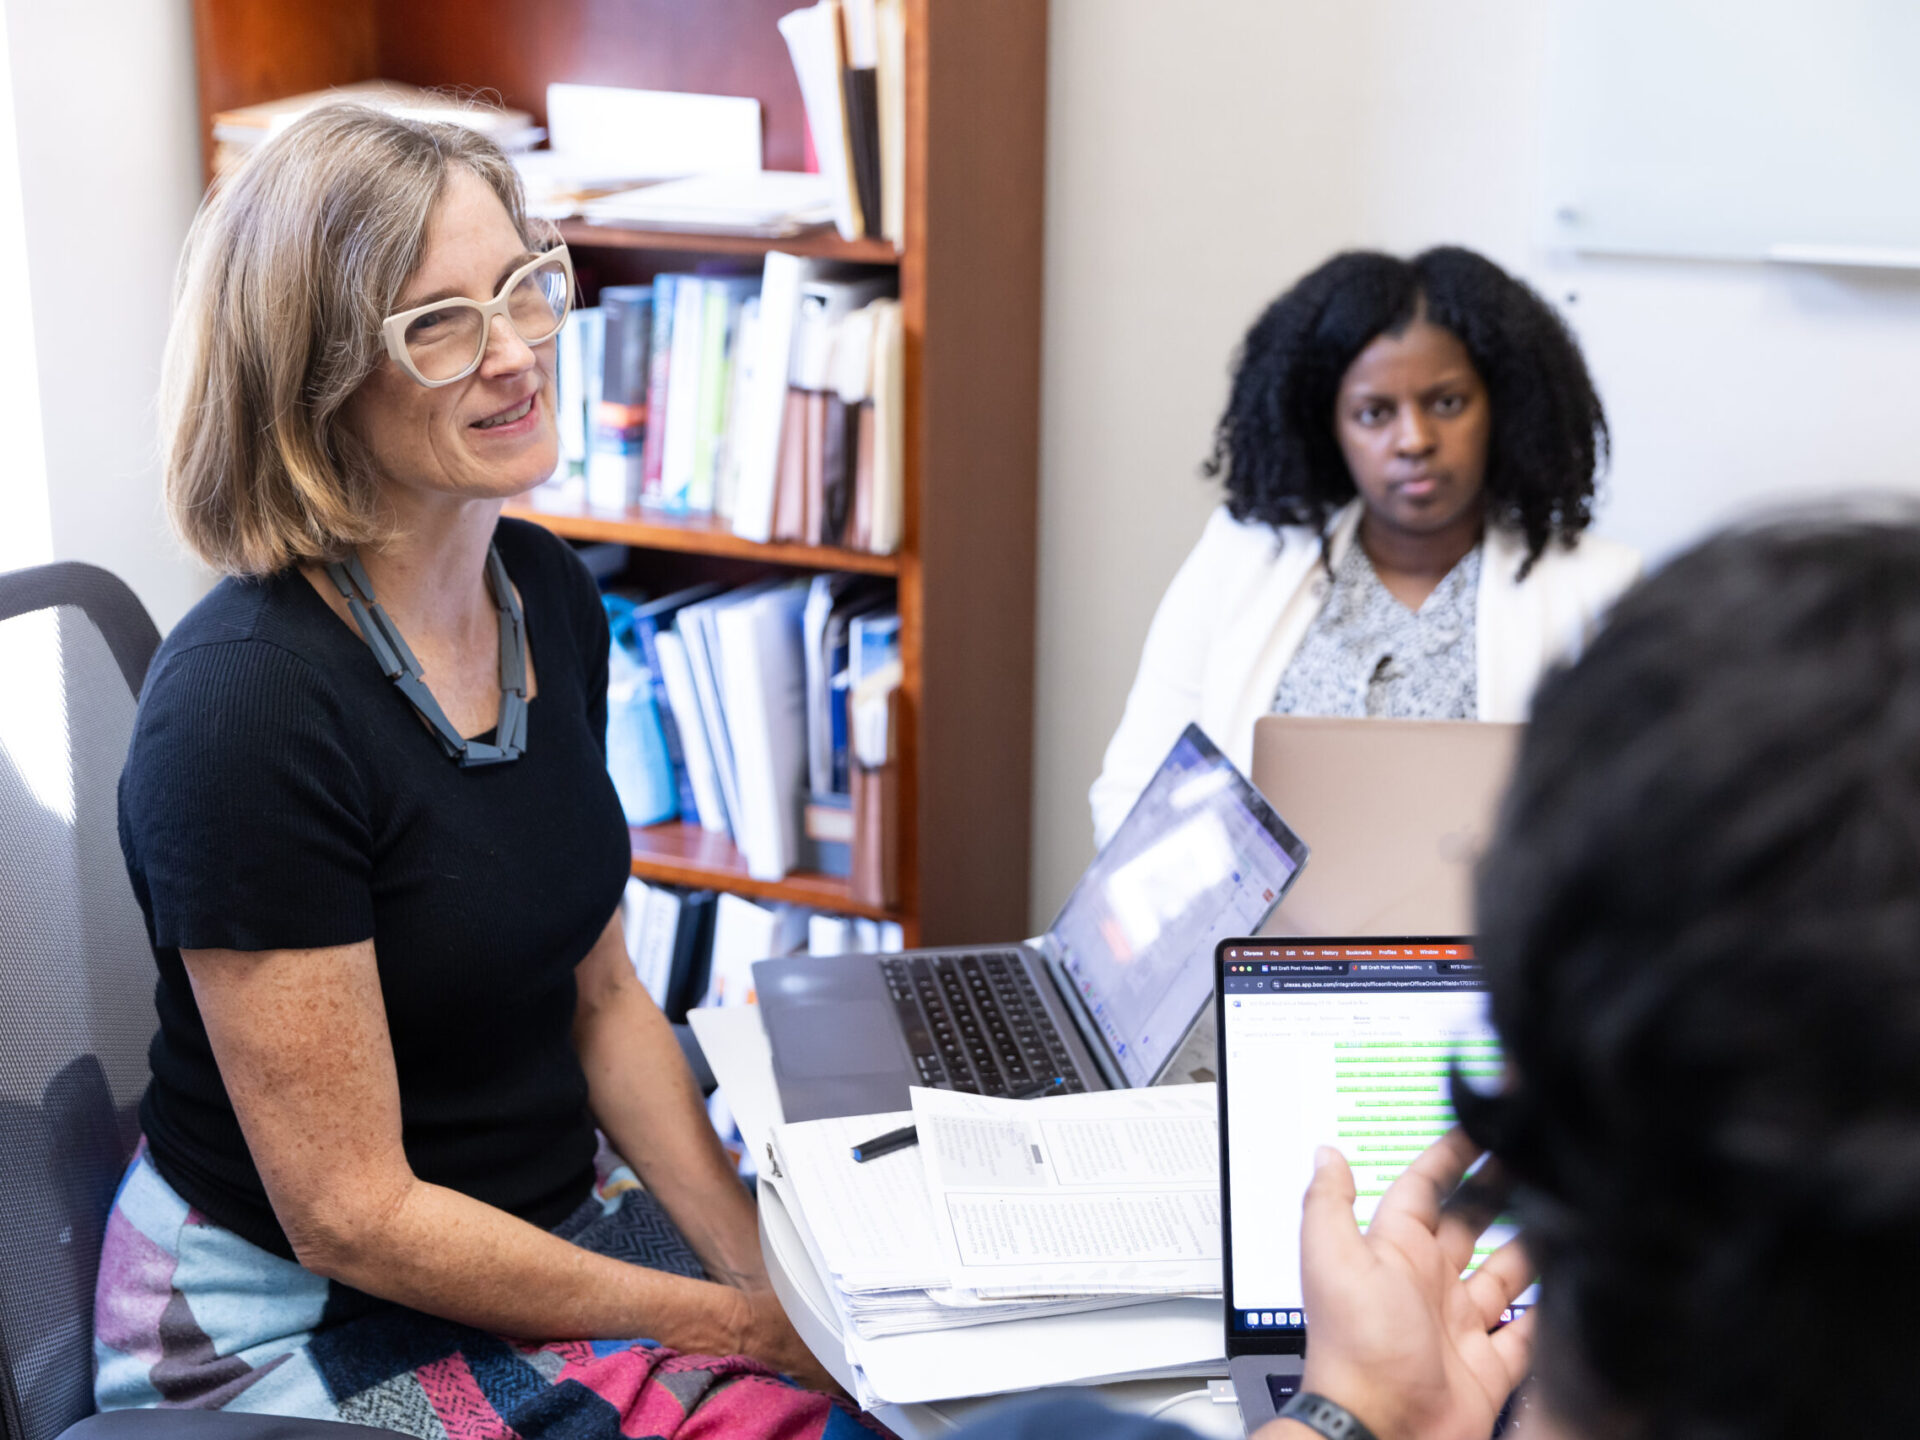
(491, 435)
(1412, 419)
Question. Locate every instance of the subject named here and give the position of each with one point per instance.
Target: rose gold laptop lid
(1398, 813)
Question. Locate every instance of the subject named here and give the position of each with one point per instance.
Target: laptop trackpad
(857, 1037)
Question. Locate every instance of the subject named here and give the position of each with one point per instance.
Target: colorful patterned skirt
(188, 1314)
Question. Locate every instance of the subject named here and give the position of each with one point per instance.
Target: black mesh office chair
(76, 1002)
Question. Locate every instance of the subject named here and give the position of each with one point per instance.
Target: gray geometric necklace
(397, 663)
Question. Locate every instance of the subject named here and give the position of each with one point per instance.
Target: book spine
(694, 626)
(647, 628)
(620, 422)
(692, 955)
(683, 394)
(676, 667)
(742, 353)
(712, 404)
(659, 376)
(860, 89)
(570, 396)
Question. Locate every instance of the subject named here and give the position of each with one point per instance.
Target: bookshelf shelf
(681, 854)
(969, 287)
(687, 535)
(823, 242)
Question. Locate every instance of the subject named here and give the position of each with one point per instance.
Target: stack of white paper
(606, 139)
(1115, 1191)
(1063, 1235)
(768, 203)
(871, 1228)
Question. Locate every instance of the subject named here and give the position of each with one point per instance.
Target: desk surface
(736, 1048)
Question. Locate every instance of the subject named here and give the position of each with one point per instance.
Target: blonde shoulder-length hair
(289, 269)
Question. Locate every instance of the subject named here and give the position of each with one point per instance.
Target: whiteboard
(1736, 129)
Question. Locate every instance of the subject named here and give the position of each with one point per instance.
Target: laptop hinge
(1091, 1039)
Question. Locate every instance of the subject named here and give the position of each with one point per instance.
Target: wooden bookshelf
(970, 299)
(822, 242)
(565, 514)
(682, 854)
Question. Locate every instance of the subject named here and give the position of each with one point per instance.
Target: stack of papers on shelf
(607, 138)
(238, 132)
(762, 203)
(1007, 1220)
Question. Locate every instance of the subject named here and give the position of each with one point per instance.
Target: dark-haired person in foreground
(1409, 454)
(1701, 922)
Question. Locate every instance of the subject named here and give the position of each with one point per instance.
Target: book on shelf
(695, 627)
(763, 683)
(873, 737)
(659, 371)
(850, 57)
(773, 406)
(880, 506)
(648, 619)
(831, 349)
(832, 604)
(742, 367)
(725, 301)
(761, 416)
(650, 920)
(669, 934)
(816, 42)
(676, 675)
(578, 370)
(683, 393)
(617, 443)
(890, 102)
(638, 758)
(748, 691)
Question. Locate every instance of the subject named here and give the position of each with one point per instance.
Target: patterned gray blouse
(1367, 654)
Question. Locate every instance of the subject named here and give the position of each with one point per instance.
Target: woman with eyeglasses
(405, 1077)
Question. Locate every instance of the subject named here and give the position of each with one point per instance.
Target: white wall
(104, 108)
(26, 530)
(1203, 155)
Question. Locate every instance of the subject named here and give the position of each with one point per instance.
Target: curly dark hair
(1701, 920)
(1275, 444)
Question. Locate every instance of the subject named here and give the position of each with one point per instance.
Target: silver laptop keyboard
(976, 1023)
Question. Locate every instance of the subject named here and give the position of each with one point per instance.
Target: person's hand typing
(1394, 1333)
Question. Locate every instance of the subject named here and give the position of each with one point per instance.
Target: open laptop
(1399, 812)
(1354, 1035)
(1104, 1000)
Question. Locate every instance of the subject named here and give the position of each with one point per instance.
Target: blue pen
(906, 1135)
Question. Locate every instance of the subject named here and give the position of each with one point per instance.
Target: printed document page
(1118, 1189)
(872, 1222)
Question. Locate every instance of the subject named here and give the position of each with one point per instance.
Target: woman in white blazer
(1409, 454)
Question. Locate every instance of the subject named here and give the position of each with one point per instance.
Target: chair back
(76, 973)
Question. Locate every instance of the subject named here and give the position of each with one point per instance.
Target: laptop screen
(1333, 1042)
(1201, 856)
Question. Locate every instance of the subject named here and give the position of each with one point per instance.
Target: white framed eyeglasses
(446, 340)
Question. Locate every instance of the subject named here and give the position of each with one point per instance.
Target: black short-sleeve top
(280, 793)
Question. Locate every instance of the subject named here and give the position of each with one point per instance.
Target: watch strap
(1325, 1417)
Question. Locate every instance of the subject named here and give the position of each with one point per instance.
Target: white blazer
(1240, 606)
